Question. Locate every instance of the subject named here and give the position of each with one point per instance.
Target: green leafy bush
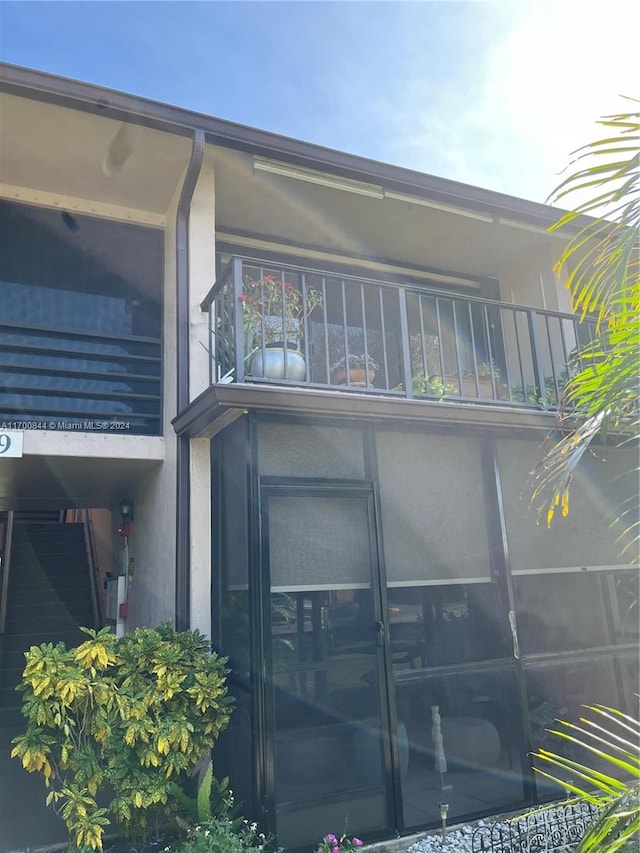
(224, 835)
(122, 718)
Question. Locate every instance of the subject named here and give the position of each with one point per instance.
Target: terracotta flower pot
(358, 377)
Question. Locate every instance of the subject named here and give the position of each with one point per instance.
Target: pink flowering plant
(332, 844)
(272, 308)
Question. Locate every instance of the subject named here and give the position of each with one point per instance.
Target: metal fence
(555, 831)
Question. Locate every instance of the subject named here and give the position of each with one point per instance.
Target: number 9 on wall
(10, 444)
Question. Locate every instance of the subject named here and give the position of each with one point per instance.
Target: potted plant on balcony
(357, 370)
(488, 378)
(421, 383)
(273, 315)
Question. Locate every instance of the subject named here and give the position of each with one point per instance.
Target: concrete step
(62, 620)
(22, 642)
(36, 602)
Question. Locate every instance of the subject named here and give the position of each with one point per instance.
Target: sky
(495, 94)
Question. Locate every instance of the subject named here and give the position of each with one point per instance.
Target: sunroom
(400, 631)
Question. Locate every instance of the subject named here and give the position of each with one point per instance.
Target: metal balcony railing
(284, 324)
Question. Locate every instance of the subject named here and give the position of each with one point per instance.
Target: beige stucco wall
(200, 536)
(153, 536)
(201, 279)
(202, 269)
(153, 540)
(531, 280)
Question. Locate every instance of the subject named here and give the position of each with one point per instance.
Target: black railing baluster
(525, 399)
(423, 345)
(441, 344)
(538, 372)
(305, 325)
(563, 338)
(487, 327)
(283, 319)
(404, 339)
(456, 345)
(473, 349)
(325, 326)
(385, 360)
(553, 377)
(211, 319)
(239, 343)
(345, 329)
(365, 336)
(505, 351)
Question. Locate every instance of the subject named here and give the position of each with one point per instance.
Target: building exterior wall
(152, 542)
(200, 536)
(392, 237)
(202, 271)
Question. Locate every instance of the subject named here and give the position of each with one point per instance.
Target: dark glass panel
(560, 690)
(432, 497)
(624, 591)
(590, 535)
(300, 450)
(328, 740)
(441, 625)
(231, 626)
(560, 611)
(464, 744)
(233, 548)
(318, 542)
(577, 610)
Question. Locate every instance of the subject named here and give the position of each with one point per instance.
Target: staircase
(49, 597)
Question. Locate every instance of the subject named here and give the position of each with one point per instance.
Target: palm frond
(602, 266)
(618, 822)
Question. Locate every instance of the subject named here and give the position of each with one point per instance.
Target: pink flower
(331, 838)
(335, 849)
(243, 298)
(358, 842)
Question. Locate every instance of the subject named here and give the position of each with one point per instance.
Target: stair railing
(89, 543)
(6, 564)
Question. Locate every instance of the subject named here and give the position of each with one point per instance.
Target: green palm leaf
(602, 265)
(618, 822)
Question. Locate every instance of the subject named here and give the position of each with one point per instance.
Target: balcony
(355, 334)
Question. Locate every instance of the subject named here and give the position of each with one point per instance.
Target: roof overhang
(42, 86)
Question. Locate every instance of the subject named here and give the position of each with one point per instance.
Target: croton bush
(120, 721)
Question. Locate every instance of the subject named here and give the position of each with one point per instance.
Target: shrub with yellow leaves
(127, 718)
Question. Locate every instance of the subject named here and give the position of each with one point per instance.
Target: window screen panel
(318, 543)
(433, 516)
(299, 450)
(602, 481)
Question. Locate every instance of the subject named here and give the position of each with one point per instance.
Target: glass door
(329, 756)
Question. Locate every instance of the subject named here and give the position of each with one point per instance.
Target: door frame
(363, 490)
